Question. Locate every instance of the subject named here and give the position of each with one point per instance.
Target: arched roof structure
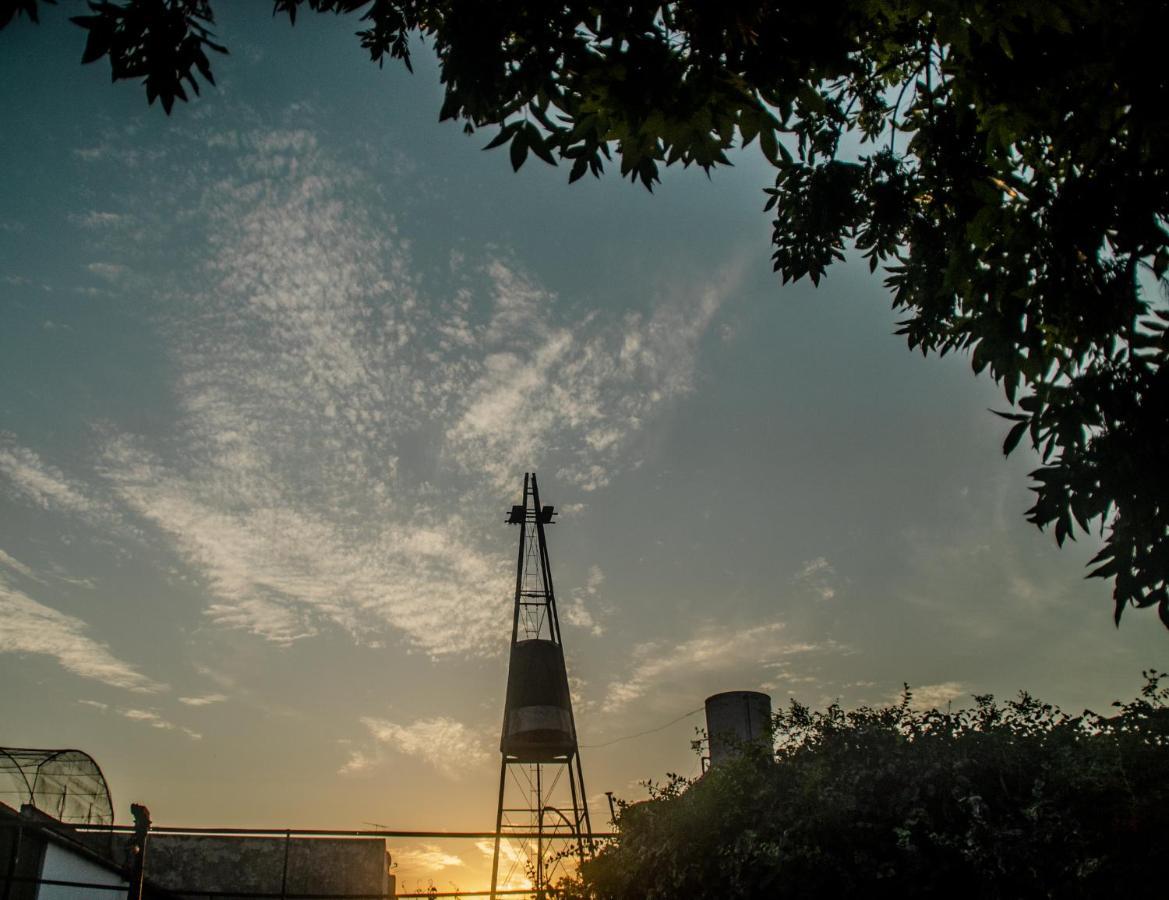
(65, 784)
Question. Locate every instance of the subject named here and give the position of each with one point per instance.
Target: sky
(272, 369)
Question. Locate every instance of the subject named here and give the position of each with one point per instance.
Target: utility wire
(630, 737)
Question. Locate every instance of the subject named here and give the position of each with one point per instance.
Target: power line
(629, 737)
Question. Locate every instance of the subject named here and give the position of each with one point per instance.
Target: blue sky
(273, 369)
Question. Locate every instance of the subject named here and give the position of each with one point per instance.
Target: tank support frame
(545, 793)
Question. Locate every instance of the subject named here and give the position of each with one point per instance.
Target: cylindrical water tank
(537, 719)
(735, 718)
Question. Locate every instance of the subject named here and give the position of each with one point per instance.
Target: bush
(999, 800)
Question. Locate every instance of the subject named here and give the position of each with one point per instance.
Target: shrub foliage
(1003, 800)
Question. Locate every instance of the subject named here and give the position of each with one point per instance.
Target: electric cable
(641, 734)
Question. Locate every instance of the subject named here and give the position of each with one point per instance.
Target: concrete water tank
(735, 718)
(537, 718)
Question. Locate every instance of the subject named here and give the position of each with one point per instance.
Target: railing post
(12, 858)
(138, 866)
(284, 874)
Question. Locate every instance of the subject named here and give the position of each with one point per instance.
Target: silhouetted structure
(538, 745)
(734, 719)
(42, 858)
(65, 784)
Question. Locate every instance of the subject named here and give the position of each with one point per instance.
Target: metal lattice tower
(541, 784)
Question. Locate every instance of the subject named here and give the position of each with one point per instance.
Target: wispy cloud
(203, 699)
(713, 649)
(426, 858)
(326, 390)
(42, 483)
(448, 746)
(280, 568)
(345, 426)
(15, 565)
(96, 704)
(819, 576)
(933, 696)
(54, 572)
(579, 610)
(107, 270)
(800, 664)
(514, 860)
(96, 218)
(586, 387)
(154, 720)
(151, 717)
(27, 626)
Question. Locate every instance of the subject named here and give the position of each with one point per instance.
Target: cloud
(18, 567)
(55, 573)
(149, 717)
(96, 704)
(40, 482)
(107, 270)
(347, 422)
(818, 575)
(448, 746)
(154, 720)
(714, 649)
(27, 626)
(113, 149)
(278, 567)
(514, 859)
(934, 696)
(720, 657)
(96, 218)
(577, 611)
(586, 387)
(426, 857)
(325, 393)
(204, 700)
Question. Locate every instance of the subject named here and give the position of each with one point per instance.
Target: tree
(1000, 800)
(1011, 181)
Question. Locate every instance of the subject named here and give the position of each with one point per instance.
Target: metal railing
(8, 878)
(259, 895)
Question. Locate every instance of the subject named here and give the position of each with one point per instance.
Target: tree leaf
(1013, 436)
(518, 150)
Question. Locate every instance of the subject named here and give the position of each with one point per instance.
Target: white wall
(63, 865)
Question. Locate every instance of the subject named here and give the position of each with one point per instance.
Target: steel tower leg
(498, 825)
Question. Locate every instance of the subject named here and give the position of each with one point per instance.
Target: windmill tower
(541, 784)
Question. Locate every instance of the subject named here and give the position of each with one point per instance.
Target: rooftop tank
(735, 718)
(537, 717)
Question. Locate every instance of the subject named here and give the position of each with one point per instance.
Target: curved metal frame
(27, 769)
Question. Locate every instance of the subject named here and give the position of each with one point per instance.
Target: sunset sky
(272, 369)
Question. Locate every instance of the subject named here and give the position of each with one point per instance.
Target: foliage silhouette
(1012, 178)
(1000, 800)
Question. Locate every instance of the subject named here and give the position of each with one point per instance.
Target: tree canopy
(1012, 799)
(1005, 164)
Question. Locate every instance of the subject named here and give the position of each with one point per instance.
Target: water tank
(735, 718)
(537, 719)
